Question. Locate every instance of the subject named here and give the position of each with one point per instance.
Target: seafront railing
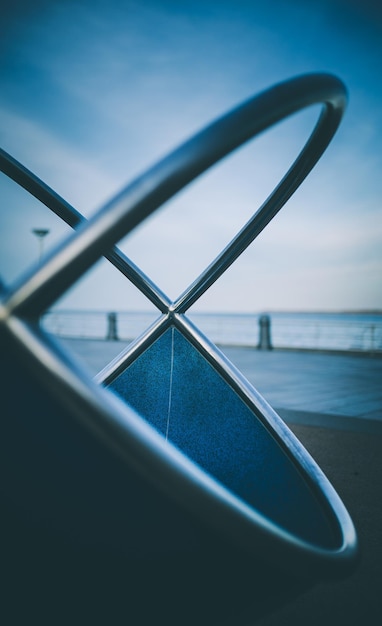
(347, 332)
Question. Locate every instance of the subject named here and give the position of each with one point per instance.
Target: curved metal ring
(148, 192)
(115, 423)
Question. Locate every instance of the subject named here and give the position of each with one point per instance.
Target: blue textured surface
(86, 539)
(213, 426)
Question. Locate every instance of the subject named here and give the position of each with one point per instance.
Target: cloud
(94, 93)
(74, 175)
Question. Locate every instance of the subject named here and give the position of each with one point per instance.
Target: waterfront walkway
(305, 387)
(333, 403)
(317, 388)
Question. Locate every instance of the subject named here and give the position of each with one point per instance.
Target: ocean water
(315, 331)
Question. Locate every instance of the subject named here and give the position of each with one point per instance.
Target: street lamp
(40, 234)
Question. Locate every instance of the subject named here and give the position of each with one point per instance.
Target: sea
(349, 331)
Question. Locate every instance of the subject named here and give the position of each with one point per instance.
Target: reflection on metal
(216, 499)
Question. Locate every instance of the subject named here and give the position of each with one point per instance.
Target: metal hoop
(117, 425)
(148, 192)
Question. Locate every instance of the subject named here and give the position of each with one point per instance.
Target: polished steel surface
(139, 199)
(115, 422)
(31, 183)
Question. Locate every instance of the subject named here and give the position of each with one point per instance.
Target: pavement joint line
(327, 420)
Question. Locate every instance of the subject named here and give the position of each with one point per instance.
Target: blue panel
(145, 384)
(211, 424)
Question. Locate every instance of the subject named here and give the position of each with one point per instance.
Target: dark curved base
(86, 540)
(51, 582)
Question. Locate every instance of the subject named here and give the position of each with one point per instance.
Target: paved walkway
(328, 387)
(333, 403)
(316, 388)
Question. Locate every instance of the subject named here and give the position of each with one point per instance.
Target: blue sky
(94, 92)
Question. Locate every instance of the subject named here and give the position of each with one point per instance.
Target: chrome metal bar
(161, 182)
(256, 403)
(279, 196)
(135, 441)
(138, 278)
(133, 350)
(40, 190)
(221, 363)
(146, 452)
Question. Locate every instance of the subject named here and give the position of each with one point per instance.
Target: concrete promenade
(333, 403)
(316, 388)
(304, 387)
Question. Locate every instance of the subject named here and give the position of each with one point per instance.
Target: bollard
(264, 333)
(112, 333)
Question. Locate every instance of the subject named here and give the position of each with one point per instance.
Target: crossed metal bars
(22, 304)
(96, 237)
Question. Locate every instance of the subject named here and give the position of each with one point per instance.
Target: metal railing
(312, 331)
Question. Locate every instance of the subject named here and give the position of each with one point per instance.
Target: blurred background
(93, 92)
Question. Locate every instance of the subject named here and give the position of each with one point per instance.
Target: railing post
(112, 333)
(265, 342)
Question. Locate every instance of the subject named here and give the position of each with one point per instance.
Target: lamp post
(40, 233)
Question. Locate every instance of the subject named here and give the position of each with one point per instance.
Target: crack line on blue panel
(170, 390)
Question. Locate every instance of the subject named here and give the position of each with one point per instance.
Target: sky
(93, 92)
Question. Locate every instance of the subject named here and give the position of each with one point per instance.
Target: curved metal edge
(297, 453)
(323, 132)
(132, 351)
(161, 182)
(115, 423)
(247, 392)
(306, 465)
(162, 464)
(42, 192)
